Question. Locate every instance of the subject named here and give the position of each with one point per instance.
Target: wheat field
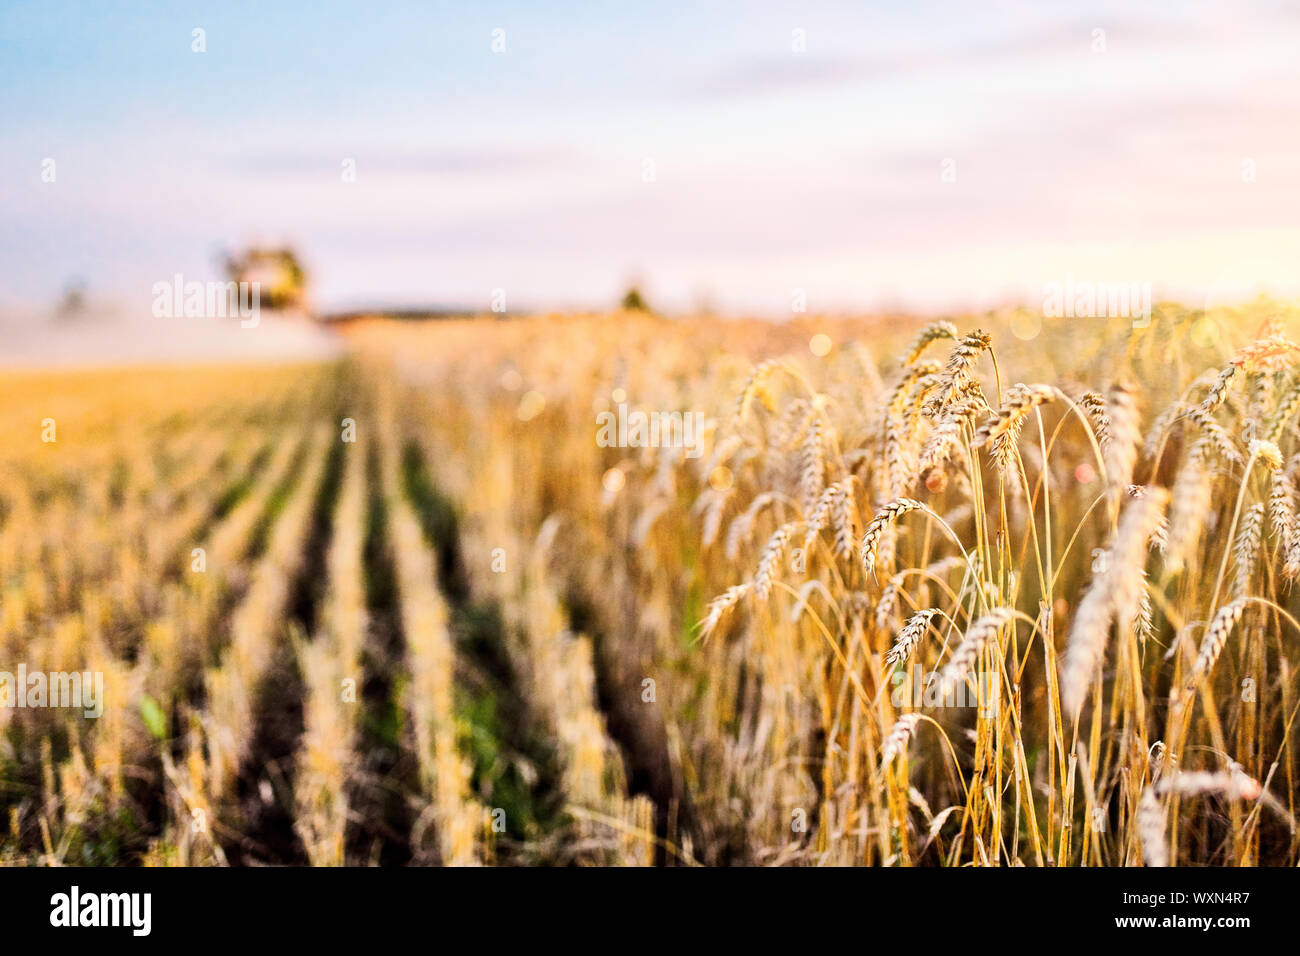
(997, 590)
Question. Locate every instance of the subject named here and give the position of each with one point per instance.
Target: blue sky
(773, 169)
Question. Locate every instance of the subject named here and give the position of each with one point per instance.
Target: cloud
(812, 71)
(449, 162)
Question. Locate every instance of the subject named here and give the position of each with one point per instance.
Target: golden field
(1000, 590)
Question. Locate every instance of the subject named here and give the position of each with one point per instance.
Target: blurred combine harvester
(278, 274)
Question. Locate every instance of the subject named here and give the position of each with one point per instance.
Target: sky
(883, 155)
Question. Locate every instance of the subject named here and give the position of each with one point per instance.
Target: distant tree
(72, 304)
(282, 282)
(633, 301)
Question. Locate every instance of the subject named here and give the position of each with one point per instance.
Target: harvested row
(254, 630)
(497, 469)
(331, 666)
(183, 634)
(227, 722)
(515, 768)
(611, 827)
(462, 824)
(205, 490)
(554, 670)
